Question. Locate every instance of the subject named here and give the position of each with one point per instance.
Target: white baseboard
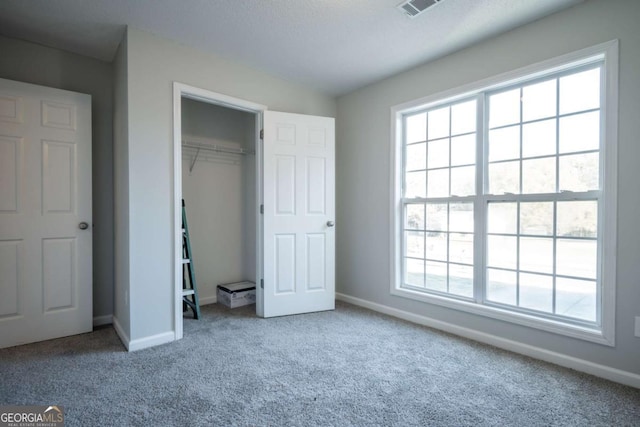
(152, 341)
(121, 333)
(602, 371)
(102, 320)
(142, 343)
(208, 300)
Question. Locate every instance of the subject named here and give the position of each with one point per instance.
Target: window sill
(573, 331)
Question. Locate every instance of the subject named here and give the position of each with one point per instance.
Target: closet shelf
(215, 148)
(212, 149)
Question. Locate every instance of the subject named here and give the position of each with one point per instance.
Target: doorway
(219, 193)
(217, 172)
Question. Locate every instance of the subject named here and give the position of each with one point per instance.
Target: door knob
(330, 223)
(83, 226)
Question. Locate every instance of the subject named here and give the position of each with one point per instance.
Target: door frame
(181, 90)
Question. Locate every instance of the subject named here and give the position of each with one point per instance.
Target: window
(504, 197)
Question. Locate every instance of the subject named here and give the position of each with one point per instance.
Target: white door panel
(45, 192)
(298, 198)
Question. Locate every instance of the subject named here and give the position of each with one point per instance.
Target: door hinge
(261, 283)
(261, 209)
(261, 133)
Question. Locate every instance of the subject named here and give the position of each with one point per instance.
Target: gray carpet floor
(341, 368)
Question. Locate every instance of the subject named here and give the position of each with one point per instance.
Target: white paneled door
(45, 213)
(299, 214)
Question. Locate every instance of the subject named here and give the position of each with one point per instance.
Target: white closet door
(299, 214)
(45, 196)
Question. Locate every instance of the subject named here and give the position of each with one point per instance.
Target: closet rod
(215, 148)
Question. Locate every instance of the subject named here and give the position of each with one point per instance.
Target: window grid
(447, 233)
(553, 237)
(481, 201)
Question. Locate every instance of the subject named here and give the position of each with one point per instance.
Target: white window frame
(606, 52)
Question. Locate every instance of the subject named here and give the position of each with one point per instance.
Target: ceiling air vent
(413, 8)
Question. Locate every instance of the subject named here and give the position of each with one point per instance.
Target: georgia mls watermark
(31, 416)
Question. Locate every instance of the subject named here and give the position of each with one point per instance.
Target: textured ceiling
(332, 45)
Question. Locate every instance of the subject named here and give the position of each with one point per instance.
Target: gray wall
(218, 124)
(153, 65)
(121, 188)
(216, 194)
(363, 168)
(32, 63)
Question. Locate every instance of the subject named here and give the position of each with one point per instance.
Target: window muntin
(439, 243)
(441, 163)
(542, 256)
(544, 137)
(440, 151)
(539, 199)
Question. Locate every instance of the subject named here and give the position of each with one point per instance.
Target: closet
(219, 190)
(287, 247)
